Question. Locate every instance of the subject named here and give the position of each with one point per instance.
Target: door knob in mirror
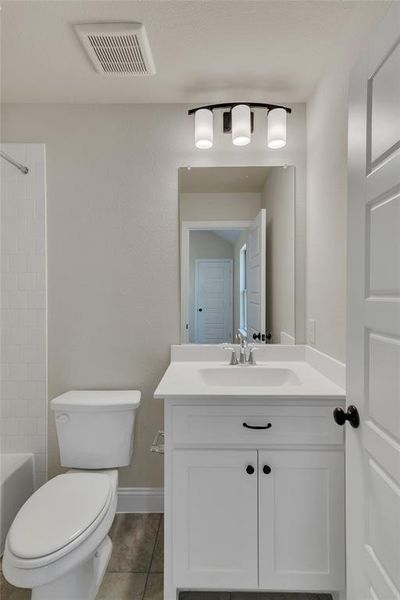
(351, 415)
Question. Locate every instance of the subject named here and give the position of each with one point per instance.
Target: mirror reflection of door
(213, 301)
(237, 254)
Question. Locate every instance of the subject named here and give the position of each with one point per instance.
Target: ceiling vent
(117, 48)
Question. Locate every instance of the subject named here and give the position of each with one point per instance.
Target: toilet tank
(95, 429)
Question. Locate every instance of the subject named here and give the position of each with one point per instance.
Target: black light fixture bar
(231, 105)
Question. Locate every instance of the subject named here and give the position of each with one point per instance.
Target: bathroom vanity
(254, 471)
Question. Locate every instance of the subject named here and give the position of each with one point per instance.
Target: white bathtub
(16, 485)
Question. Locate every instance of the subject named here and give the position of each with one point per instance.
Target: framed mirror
(237, 229)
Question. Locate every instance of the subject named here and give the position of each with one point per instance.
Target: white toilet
(58, 544)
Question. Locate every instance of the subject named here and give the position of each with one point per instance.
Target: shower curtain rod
(11, 160)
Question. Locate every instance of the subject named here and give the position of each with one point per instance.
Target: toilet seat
(59, 517)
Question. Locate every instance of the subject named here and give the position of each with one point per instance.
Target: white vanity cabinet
(254, 495)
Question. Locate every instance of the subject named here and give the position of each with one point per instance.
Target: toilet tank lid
(104, 400)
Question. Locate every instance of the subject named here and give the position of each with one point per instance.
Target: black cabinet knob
(351, 415)
(249, 469)
(266, 469)
(200, 310)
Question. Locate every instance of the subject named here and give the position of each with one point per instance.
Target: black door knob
(249, 469)
(351, 415)
(200, 310)
(266, 469)
(260, 336)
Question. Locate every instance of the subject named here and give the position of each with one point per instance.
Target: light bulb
(203, 128)
(276, 123)
(241, 125)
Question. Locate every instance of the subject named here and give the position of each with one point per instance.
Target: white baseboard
(140, 500)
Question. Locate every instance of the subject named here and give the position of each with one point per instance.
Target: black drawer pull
(268, 426)
(266, 469)
(250, 469)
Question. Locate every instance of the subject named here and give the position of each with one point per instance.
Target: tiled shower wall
(23, 306)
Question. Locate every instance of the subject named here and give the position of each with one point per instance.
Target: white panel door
(215, 519)
(301, 513)
(256, 276)
(373, 367)
(213, 301)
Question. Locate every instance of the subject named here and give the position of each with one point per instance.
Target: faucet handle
(234, 359)
(251, 359)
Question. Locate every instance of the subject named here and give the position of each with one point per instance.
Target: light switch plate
(311, 331)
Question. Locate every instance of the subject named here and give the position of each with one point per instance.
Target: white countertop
(304, 374)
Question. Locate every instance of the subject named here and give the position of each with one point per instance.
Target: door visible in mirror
(237, 254)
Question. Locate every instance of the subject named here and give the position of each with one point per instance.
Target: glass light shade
(203, 128)
(241, 125)
(276, 135)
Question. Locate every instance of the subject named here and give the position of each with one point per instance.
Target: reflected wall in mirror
(237, 254)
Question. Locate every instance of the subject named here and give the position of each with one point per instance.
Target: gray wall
(278, 200)
(113, 243)
(326, 210)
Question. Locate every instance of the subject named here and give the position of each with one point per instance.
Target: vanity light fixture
(241, 125)
(238, 120)
(203, 128)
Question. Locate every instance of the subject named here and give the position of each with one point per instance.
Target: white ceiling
(222, 180)
(204, 50)
(229, 235)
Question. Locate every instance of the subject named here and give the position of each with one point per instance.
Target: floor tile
(9, 592)
(122, 586)
(157, 563)
(154, 587)
(134, 538)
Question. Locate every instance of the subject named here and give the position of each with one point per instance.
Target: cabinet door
(214, 519)
(301, 508)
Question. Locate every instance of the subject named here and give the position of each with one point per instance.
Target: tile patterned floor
(135, 571)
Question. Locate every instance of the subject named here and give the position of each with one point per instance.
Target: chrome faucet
(245, 357)
(242, 348)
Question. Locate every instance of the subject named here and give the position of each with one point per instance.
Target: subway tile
(36, 443)
(4, 262)
(40, 478)
(40, 462)
(9, 425)
(9, 281)
(18, 263)
(17, 372)
(17, 299)
(36, 408)
(27, 426)
(36, 372)
(36, 299)
(27, 281)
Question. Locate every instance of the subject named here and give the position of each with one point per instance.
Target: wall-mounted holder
(158, 443)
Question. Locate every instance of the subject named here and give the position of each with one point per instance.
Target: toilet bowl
(60, 528)
(58, 544)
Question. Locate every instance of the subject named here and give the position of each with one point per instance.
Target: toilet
(58, 544)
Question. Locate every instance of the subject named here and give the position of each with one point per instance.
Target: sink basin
(249, 376)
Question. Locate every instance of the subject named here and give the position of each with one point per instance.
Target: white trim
(140, 500)
(186, 228)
